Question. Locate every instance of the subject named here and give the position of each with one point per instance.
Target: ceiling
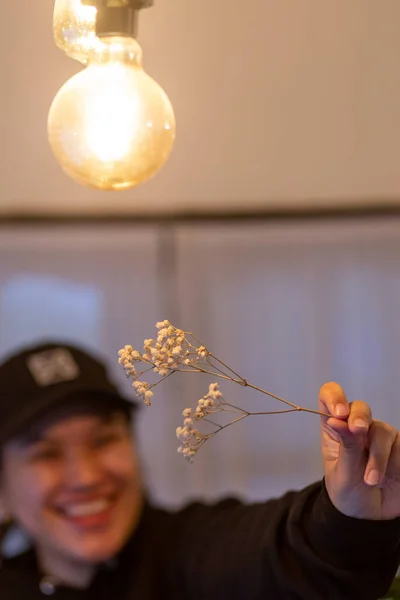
(279, 104)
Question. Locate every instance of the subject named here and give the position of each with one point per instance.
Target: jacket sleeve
(298, 547)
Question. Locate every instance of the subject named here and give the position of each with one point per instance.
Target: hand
(361, 458)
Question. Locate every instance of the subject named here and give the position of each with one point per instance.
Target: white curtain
(288, 305)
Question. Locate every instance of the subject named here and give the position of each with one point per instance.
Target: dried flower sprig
(175, 350)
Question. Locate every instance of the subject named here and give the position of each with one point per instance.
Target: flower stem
(295, 406)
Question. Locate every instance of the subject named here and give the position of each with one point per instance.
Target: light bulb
(111, 126)
(74, 28)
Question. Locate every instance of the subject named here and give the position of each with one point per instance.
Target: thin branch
(272, 412)
(231, 423)
(295, 406)
(214, 366)
(139, 374)
(212, 423)
(226, 367)
(213, 355)
(200, 370)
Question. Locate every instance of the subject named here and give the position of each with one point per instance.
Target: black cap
(41, 378)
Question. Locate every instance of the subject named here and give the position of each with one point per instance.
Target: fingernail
(342, 410)
(361, 424)
(373, 477)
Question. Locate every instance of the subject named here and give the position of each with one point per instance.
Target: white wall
(279, 103)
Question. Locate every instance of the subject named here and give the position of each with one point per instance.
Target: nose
(82, 470)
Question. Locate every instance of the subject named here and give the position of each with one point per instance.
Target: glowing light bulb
(74, 28)
(112, 126)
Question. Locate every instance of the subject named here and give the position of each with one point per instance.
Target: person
(71, 480)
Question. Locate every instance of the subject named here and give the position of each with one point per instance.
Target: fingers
(349, 425)
(332, 400)
(353, 433)
(360, 417)
(381, 440)
(359, 435)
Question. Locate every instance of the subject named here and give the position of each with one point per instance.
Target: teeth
(88, 508)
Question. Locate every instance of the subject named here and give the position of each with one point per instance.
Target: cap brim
(53, 399)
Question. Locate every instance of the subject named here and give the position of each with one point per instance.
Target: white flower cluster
(127, 357)
(191, 439)
(143, 390)
(210, 403)
(170, 351)
(167, 352)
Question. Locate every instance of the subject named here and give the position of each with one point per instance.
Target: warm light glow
(74, 28)
(111, 126)
(109, 139)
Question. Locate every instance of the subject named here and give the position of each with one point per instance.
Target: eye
(105, 439)
(45, 454)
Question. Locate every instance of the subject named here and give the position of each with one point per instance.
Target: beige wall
(279, 103)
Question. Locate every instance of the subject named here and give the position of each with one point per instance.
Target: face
(75, 487)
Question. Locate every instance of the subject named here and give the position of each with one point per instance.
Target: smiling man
(70, 474)
(74, 485)
(70, 478)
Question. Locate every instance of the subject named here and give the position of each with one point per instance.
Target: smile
(85, 509)
(91, 515)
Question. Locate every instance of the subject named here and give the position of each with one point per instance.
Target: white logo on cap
(52, 366)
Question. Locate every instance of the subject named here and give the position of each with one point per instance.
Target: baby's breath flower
(143, 389)
(126, 358)
(176, 350)
(210, 403)
(191, 439)
(213, 390)
(163, 324)
(171, 351)
(162, 334)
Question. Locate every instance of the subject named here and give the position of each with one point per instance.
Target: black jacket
(298, 547)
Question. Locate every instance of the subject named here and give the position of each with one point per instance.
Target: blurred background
(272, 233)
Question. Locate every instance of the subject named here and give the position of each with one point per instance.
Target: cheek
(26, 491)
(123, 464)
